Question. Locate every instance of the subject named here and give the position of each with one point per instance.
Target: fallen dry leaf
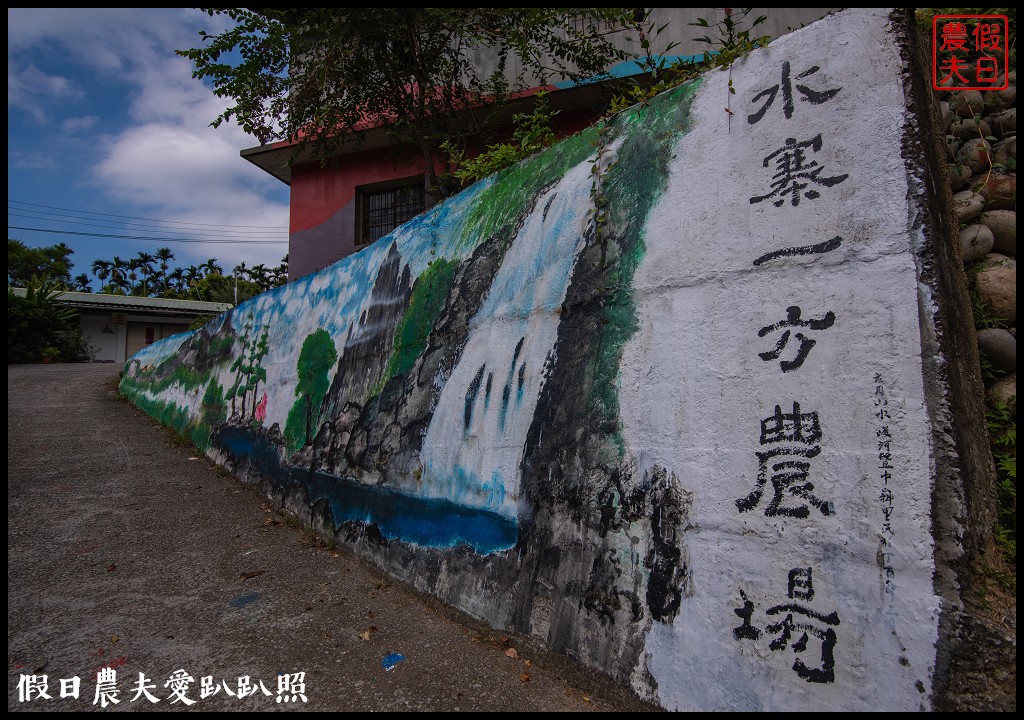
(365, 634)
(113, 638)
(525, 677)
(511, 652)
(249, 575)
(586, 699)
(526, 663)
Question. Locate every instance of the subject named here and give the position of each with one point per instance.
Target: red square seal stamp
(970, 52)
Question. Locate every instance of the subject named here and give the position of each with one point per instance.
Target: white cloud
(167, 162)
(180, 173)
(30, 89)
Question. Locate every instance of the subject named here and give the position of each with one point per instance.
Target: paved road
(124, 550)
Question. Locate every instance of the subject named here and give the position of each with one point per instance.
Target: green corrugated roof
(129, 302)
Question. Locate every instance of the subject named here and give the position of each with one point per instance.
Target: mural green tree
(316, 358)
(248, 369)
(214, 406)
(256, 373)
(238, 388)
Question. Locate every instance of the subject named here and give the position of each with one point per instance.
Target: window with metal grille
(385, 209)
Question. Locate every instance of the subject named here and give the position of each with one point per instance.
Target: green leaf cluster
(533, 132)
(46, 263)
(733, 41)
(39, 328)
(321, 77)
(1002, 427)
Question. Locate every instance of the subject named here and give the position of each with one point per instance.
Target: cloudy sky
(107, 133)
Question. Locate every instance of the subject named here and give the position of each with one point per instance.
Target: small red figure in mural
(261, 409)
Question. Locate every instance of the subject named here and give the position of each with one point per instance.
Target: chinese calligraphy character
(32, 684)
(143, 687)
(788, 477)
(953, 66)
(806, 343)
(811, 624)
(801, 587)
(954, 36)
(207, 687)
(70, 687)
(178, 682)
(291, 687)
(794, 167)
(106, 687)
(746, 631)
(245, 688)
(988, 69)
(815, 97)
(787, 626)
(816, 249)
(987, 36)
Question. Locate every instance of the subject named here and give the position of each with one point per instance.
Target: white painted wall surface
(694, 390)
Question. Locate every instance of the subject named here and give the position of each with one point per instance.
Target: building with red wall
(339, 207)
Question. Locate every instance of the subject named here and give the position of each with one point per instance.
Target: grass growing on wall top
(501, 204)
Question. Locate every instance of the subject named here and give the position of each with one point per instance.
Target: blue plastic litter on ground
(245, 600)
(389, 662)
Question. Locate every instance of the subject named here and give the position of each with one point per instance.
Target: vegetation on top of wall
(503, 201)
(532, 134)
(732, 42)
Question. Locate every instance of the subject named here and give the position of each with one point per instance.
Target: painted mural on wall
(654, 395)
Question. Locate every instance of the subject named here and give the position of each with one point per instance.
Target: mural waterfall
(631, 395)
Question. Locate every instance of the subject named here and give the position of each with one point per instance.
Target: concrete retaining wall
(668, 395)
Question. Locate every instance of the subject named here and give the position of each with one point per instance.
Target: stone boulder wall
(680, 396)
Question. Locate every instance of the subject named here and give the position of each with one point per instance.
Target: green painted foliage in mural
(173, 416)
(425, 305)
(295, 425)
(631, 187)
(502, 204)
(214, 407)
(316, 359)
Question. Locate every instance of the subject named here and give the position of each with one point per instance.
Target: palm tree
(81, 283)
(175, 279)
(193, 274)
(133, 276)
(164, 256)
(281, 272)
(261, 276)
(101, 269)
(144, 262)
(119, 275)
(212, 268)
